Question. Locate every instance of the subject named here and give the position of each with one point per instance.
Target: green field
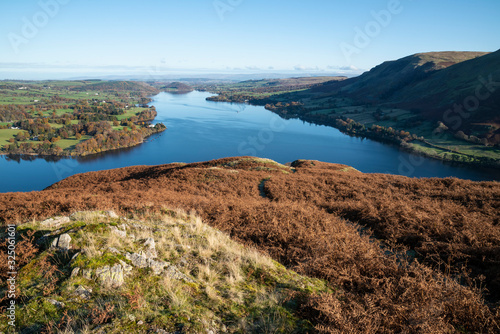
(6, 134)
(59, 112)
(119, 128)
(28, 96)
(70, 143)
(130, 113)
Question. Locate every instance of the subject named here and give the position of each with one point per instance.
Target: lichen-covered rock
(110, 277)
(142, 261)
(174, 273)
(87, 273)
(75, 272)
(83, 292)
(138, 261)
(149, 250)
(63, 242)
(114, 250)
(150, 243)
(55, 222)
(126, 267)
(56, 303)
(116, 231)
(157, 266)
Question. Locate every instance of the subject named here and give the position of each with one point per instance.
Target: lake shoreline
(449, 156)
(199, 130)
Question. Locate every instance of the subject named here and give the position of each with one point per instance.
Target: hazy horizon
(42, 72)
(63, 39)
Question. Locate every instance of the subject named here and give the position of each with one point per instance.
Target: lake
(200, 130)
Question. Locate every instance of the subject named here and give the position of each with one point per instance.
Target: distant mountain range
(216, 77)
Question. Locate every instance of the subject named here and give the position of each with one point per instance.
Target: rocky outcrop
(63, 242)
(146, 257)
(55, 222)
(119, 232)
(117, 282)
(113, 276)
(174, 273)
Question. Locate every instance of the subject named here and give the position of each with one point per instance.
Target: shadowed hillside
(381, 82)
(96, 272)
(402, 254)
(430, 84)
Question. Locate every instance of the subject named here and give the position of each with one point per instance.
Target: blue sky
(235, 35)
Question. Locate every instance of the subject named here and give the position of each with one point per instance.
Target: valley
(440, 105)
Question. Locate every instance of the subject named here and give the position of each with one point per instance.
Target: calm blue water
(200, 130)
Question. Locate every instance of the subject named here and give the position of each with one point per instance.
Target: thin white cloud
(305, 68)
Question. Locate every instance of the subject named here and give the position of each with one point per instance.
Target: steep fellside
(474, 85)
(400, 254)
(382, 81)
(430, 84)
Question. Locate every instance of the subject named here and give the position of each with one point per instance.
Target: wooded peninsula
(74, 118)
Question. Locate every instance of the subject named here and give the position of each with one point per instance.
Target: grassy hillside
(399, 254)
(452, 86)
(428, 84)
(167, 273)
